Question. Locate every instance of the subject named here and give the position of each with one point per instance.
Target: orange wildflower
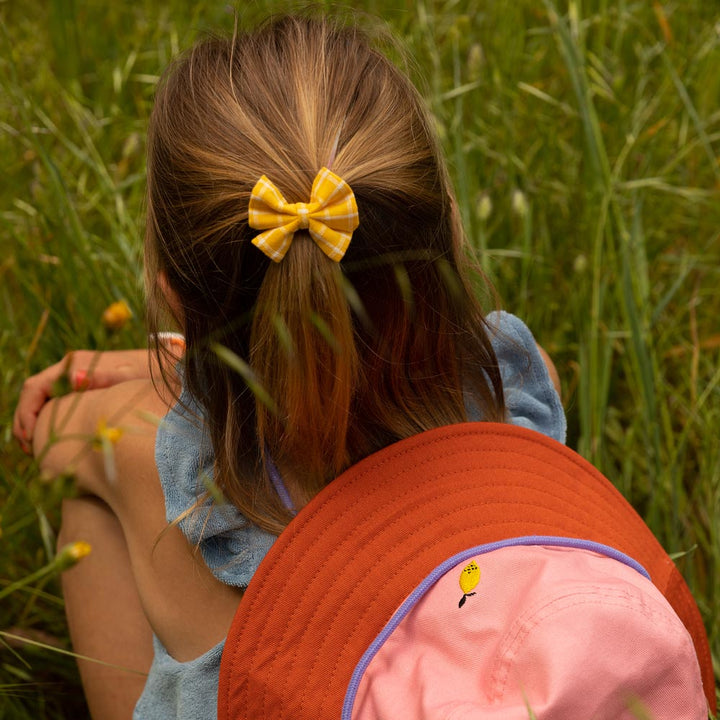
(116, 315)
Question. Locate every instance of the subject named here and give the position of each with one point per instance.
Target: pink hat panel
(565, 632)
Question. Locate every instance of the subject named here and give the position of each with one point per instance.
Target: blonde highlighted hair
(349, 356)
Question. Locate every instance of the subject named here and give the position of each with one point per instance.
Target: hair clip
(331, 216)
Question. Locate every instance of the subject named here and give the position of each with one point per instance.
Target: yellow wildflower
(116, 315)
(106, 435)
(71, 554)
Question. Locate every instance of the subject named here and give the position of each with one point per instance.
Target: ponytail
(303, 350)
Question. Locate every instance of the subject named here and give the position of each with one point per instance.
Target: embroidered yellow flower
(469, 578)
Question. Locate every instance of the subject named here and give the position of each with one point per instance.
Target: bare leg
(104, 613)
(143, 567)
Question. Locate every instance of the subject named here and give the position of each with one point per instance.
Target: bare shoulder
(552, 370)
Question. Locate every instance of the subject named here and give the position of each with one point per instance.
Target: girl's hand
(79, 370)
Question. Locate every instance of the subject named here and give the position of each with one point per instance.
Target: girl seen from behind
(302, 234)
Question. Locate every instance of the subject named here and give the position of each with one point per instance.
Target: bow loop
(331, 216)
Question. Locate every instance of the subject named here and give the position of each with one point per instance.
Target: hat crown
(567, 630)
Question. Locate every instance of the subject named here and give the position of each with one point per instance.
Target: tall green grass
(583, 139)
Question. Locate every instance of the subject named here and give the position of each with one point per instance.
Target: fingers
(94, 370)
(24, 441)
(42, 386)
(35, 393)
(80, 370)
(79, 380)
(103, 377)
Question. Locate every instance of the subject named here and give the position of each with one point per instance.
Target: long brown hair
(336, 360)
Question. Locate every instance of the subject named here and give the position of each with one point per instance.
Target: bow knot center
(303, 213)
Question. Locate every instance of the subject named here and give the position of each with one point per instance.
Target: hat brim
(337, 574)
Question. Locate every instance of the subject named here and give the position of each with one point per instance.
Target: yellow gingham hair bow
(331, 216)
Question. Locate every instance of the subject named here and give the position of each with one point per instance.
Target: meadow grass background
(584, 143)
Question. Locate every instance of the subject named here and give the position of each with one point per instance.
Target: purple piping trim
(278, 484)
(448, 565)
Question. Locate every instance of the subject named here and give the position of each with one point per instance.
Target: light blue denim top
(233, 548)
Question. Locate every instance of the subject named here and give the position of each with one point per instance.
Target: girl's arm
(78, 370)
(90, 434)
(83, 370)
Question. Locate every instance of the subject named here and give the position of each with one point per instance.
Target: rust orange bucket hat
(338, 574)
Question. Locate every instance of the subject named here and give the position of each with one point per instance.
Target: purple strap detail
(278, 484)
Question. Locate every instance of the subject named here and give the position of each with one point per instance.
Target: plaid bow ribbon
(331, 216)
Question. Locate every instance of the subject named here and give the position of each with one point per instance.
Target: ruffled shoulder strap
(530, 397)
